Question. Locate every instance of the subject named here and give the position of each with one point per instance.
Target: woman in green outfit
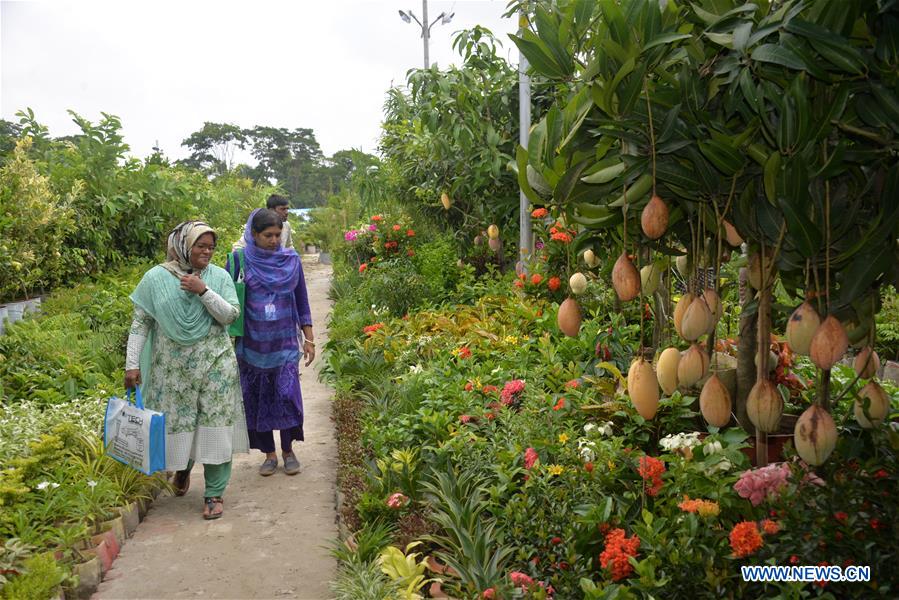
(180, 352)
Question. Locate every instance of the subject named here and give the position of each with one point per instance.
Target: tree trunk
(746, 349)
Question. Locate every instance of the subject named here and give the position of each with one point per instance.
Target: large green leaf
(538, 54)
(521, 158)
(566, 184)
(771, 175)
(725, 157)
(865, 269)
(802, 232)
(772, 53)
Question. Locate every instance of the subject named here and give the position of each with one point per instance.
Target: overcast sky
(164, 67)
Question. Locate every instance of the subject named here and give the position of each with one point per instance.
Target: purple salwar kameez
(268, 354)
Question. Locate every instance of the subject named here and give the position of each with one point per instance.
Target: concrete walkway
(273, 540)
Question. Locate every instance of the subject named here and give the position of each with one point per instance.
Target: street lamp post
(409, 16)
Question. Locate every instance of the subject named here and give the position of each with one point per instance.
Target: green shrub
(40, 580)
(436, 262)
(393, 287)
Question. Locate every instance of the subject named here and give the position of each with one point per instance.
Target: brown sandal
(181, 482)
(209, 512)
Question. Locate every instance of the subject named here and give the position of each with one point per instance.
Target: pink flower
(530, 457)
(511, 390)
(760, 484)
(488, 594)
(520, 579)
(372, 227)
(465, 418)
(350, 235)
(397, 501)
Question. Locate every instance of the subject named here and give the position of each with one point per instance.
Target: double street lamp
(409, 16)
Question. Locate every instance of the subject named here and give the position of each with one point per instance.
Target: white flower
(43, 485)
(91, 484)
(606, 429)
(589, 427)
(713, 448)
(679, 441)
(721, 466)
(587, 450)
(415, 369)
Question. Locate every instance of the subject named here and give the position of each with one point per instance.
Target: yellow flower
(709, 509)
(555, 469)
(511, 340)
(563, 437)
(611, 466)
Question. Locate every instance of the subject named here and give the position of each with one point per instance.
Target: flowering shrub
(382, 238)
(617, 553)
(762, 484)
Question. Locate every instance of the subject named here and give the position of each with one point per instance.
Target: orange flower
(539, 213)
(554, 283)
(705, 508)
(396, 227)
(745, 538)
(536, 278)
(770, 527)
(519, 284)
(561, 237)
(377, 218)
(410, 233)
(363, 267)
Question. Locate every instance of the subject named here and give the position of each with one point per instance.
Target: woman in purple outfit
(276, 309)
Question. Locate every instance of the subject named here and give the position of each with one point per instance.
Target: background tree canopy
(290, 159)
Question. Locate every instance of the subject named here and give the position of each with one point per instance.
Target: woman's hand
(193, 284)
(132, 378)
(309, 351)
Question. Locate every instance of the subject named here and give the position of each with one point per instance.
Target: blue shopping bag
(135, 435)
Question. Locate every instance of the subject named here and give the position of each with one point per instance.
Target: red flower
(489, 416)
(555, 541)
(522, 276)
(840, 516)
(745, 538)
(794, 559)
(617, 552)
(488, 594)
(396, 227)
(554, 284)
(560, 404)
(539, 213)
(377, 218)
(410, 233)
(519, 284)
(511, 390)
(536, 278)
(370, 329)
(530, 457)
(573, 384)
(875, 524)
(882, 473)
(410, 252)
(362, 267)
(464, 352)
(489, 389)
(561, 237)
(465, 418)
(469, 386)
(588, 467)
(651, 469)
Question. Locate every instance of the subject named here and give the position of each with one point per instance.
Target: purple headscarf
(276, 271)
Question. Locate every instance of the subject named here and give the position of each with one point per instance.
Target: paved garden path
(273, 540)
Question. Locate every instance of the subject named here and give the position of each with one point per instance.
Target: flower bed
(536, 478)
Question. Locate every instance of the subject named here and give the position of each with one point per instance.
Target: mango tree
(771, 122)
